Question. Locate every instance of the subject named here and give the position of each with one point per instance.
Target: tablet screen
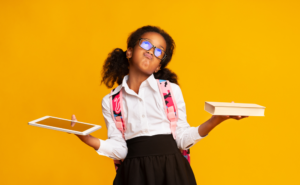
(65, 124)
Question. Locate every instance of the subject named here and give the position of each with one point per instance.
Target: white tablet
(60, 124)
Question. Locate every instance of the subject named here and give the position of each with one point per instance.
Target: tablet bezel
(86, 132)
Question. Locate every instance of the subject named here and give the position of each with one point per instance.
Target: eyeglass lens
(147, 46)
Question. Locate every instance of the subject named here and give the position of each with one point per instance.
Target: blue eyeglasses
(147, 45)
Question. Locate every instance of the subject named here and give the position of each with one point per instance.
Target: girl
(152, 156)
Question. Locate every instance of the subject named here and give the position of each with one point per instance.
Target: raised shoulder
(176, 89)
(106, 98)
(174, 86)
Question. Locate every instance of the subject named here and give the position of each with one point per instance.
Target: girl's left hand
(223, 118)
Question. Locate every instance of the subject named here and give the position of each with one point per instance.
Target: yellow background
(51, 56)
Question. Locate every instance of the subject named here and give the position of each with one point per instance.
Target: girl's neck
(135, 80)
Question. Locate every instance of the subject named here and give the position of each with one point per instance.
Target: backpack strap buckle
(119, 125)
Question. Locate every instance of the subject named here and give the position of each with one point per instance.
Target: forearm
(207, 126)
(90, 140)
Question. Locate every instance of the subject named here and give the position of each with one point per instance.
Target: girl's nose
(151, 50)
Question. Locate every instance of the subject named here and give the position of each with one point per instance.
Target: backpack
(170, 108)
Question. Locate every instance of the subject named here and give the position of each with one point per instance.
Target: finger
(235, 117)
(241, 117)
(73, 119)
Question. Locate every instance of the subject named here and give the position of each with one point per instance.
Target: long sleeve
(115, 146)
(186, 136)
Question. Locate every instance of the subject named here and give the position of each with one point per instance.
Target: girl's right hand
(87, 139)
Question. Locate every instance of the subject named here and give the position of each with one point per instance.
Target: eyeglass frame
(153, 47)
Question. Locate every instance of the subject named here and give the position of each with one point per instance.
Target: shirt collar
(153, 82)
(149, 81)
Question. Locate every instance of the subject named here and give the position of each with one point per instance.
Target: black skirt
(154, 160)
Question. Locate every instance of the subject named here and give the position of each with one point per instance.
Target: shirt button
(143, 115)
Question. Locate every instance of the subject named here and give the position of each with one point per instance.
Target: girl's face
(143, 60)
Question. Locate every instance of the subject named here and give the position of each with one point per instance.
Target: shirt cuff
(195, 134)
(104, 149)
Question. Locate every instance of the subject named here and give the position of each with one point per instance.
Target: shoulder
(105, 98)
(176, 89)
(105, 102)
(174, 86)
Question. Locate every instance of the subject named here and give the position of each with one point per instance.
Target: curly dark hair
(116, 65)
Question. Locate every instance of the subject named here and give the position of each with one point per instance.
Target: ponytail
(115, 68)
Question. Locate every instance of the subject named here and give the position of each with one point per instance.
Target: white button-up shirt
(144, 116)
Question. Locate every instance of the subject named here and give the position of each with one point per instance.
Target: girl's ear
(129, 53)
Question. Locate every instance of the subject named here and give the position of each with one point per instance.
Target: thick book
(234, 109)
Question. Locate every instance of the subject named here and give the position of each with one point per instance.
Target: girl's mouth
(148, 55)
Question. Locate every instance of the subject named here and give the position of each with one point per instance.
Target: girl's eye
(146, 45)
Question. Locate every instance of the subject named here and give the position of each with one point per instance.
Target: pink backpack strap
(170, 105)
(171, 109)
(116, 108)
